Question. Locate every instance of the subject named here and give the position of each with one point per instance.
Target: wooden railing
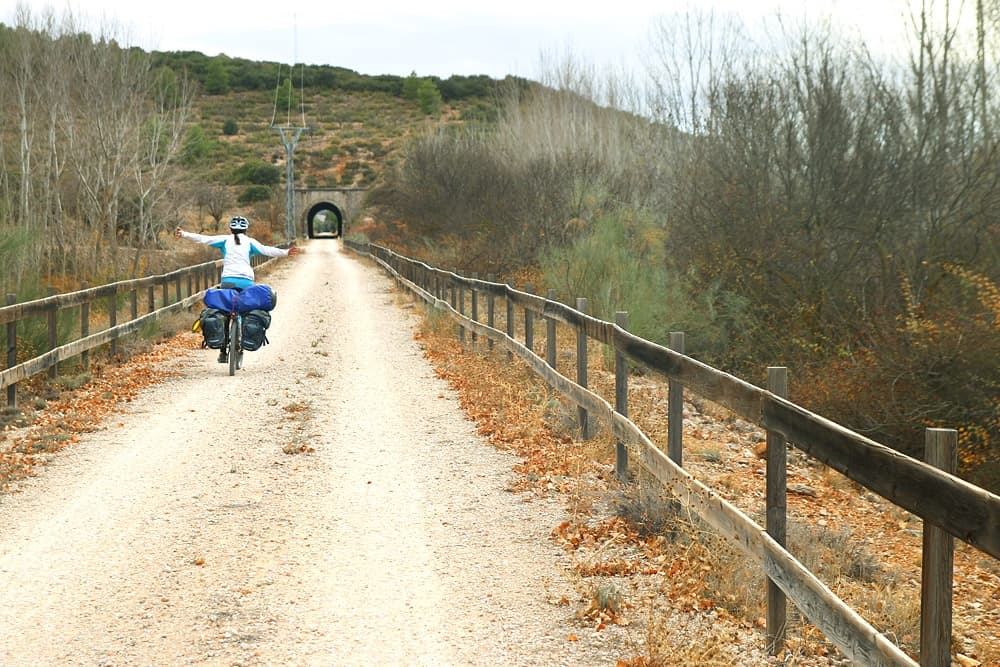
(160, 295)
(949, 506)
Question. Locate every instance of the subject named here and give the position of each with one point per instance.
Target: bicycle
(246, 312)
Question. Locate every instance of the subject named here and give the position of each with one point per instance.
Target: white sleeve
(267, 250)
(201, 238)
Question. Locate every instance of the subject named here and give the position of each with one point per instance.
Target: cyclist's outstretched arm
(270, 251)
(200, 238)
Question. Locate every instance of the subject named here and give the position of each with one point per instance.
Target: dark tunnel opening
(325, 220)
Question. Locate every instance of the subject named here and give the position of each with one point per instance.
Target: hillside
(352, 138)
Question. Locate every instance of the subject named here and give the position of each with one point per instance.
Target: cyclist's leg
(224, 352)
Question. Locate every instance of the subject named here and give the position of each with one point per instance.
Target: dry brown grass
(664, 561)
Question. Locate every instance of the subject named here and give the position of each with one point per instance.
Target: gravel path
(330, 505)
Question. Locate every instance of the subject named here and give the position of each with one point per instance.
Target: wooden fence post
(941, 451)
(529, 323)
(11, 353)
(166, 292)
(461, 310)
(113, 319)
(510, 320)
(621, 400)
(581, 369)
(475, 308)
(490, 309)
(85, 327)
(177, 288)
(675, 406)
(134, 298)
(53, 334)
(777, 384)
(152, 298)
(550, 334)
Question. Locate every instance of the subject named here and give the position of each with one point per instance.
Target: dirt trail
(185, 533)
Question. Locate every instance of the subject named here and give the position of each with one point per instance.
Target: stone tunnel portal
(325, 220)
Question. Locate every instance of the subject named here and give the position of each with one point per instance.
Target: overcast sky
(435, 37)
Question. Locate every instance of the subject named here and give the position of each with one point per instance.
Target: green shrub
(428, 97)
(254, 193)
(216, 77)
(368, 175)
(410, 86)
(257, 173)
(617, 263)
(230, 128)
(197, 145)
(481, 112)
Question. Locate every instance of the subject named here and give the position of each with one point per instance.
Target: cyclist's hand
(294, 250)
(177, 233)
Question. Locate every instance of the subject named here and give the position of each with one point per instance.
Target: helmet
(238, 223)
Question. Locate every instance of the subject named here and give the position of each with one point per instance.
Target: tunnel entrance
(325, 221)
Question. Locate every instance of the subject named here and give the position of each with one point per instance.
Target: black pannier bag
(213, 328)
(255, 324)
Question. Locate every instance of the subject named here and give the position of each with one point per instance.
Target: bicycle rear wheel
(235, 351)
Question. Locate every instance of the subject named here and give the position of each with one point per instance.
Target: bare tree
(159, 142)
(89, 146)
(217, 199)
(102, 129)
(691, 53)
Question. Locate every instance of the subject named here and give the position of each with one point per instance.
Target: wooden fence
(160, 295)
(949, 506)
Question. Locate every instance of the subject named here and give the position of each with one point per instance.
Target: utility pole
(290, 227)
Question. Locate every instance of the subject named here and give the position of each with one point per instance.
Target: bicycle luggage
(220, 298)
(256, 297)
(213, 328)
(255, 324)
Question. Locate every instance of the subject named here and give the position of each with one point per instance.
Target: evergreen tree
(428, 97)
(411, 84)
(216, 78)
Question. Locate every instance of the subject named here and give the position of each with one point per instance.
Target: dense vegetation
(221, 74)
(802, 204)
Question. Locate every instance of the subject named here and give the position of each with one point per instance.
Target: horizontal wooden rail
(12, 313)
(964, 510)
(68, 351)
(854, 636)
(19, 311)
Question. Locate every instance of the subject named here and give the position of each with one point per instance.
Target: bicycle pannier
(213, 328)
(255, 324)
(256, 297)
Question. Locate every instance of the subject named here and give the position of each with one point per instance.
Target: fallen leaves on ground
(512, 408)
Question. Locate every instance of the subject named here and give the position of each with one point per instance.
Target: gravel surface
(329, 505)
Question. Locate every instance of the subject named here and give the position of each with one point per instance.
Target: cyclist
(237, 249)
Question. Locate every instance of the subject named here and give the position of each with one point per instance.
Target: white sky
(433, 37)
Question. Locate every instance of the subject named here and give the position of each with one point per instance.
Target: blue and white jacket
(236, 258)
